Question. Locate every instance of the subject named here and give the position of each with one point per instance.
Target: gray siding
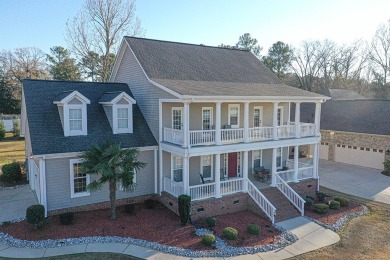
(146, 94)
(58, 184)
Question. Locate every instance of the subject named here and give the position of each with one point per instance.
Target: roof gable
(68, 96)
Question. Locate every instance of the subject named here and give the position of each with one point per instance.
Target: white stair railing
(262, 201)
(172, 187)
(290, 194)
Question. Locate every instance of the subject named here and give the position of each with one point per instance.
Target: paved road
(359, 181)
(13, 203)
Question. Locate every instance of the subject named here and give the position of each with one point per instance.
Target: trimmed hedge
(253, 229)
(208, 239)
(230, 233)
(35, 215)
(11, 173)
(334, 204)
(184, 208)
(211, 221)
(343, 201)
(321, 208)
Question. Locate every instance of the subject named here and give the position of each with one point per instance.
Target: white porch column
(273, 170)
(160, 169)
(275, 121)
(218, 123)
(246, 122)
(245, 170)
(296, 160)
(297, 120)
(315, 161)
(186, 175)
(186, 124)
(217, 170)
(317, 118)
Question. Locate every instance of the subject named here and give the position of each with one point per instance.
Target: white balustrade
(287, 176)
(262, 201)
(290, 194)
(305, 173)
(260, 133)
(202, 137)
(308, 129)
(174, 136)
(202, 191)
(172, 187)
(232, 186)
(286, 131)
(235, 135)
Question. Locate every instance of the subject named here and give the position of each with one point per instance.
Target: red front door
(232, 162)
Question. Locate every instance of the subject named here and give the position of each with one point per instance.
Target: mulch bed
(333, 215)
(239, 221)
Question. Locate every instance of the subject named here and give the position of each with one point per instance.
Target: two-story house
(221, 119)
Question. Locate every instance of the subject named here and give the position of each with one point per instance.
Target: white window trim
(261, 115)
(211, 116)
(172, 164)
(238, 115)
(212, 168)
(129, 128)
(83, 107)
(253, 158)
(181, 111)
(281, 115)
(71, 173)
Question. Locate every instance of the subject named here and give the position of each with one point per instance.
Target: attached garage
(324, 150)
(362, 156)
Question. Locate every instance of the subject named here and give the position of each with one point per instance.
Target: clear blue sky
(41, 23)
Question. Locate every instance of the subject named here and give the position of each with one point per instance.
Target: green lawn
(11, 149)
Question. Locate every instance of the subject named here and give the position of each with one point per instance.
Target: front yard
(11, 149)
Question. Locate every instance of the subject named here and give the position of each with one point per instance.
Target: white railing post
(296, 160)
(317, 118)
(246, 122)
(218, 123)
(186, 124)
(297, 120)
(273, 169)
(217, 169)
(275, 121)
(245, 170)
(186, 175)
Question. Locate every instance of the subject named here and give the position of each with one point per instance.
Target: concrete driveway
(14, 202)
(359, 181)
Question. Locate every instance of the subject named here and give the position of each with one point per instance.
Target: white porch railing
(202, 137)
(202, 191)
(287, 176)
(290, 194)
(305, 173)
(262, 201)
(172, 187)
(232, 186)
(286, 131)
(290, 164)
(260, 133)
(235, 135)
(307, 129)
(174, 136)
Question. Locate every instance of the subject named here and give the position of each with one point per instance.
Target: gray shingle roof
(206, 71)
(62, 95)
(359, 116)
(46, 132)
(108, 97)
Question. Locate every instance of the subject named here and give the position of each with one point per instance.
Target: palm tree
(114, 165)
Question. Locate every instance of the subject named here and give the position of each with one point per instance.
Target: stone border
(222, 249)
(339, 224)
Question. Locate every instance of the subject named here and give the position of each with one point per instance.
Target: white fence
(262, 201)
(9, 124)
(290, 194)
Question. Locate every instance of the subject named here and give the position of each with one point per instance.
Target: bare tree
(99, 27)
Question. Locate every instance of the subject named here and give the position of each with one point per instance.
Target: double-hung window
(207, 118)
(75, 119)
(234, 115)
(123, 117)
(177, 168)
(78, 180)
(177, 115)
(258, 117)
(206, 167)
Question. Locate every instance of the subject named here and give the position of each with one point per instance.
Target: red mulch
(333, 214)
(239, 221)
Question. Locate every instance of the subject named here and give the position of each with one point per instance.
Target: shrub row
(12, 173)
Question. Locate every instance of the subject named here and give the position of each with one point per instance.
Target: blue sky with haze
(41, 23)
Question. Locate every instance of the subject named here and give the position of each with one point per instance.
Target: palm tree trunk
(112, 185)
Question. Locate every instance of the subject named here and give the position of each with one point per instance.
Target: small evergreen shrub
(230, 233)
(321, 208)
(11, 173)
(343, 201)
(334, 204)
(211, 221)
(130, 209)
(208, 239)
(387, 166)
(66, 218)
(35, 215)
(16, 128)
(253, 229)
(150, 203)
(321, 196)
(308, 202)
(2, 130)
(184, 208)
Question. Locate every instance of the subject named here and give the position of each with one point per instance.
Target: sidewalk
(311, 237)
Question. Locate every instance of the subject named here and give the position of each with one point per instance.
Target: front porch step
(284, 208)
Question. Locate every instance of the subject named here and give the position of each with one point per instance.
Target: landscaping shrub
(2, 130)
(343, 201)
(211, 221)
(11, 173)
(67, 218)
(150, 203)
(321, 196)
(184, 208)
(230, 233)
(253, 229)
(309, 202)
(334, 204)
(130, 209)
(387, 166)
(35, 215)
(208, 239)
(321, 208)
(16, 130)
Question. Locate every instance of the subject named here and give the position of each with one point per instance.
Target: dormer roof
(113, 97)
(67, 96)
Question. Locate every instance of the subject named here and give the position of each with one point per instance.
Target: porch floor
(259, 183)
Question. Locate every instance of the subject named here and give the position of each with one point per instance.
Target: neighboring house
(220, 116)
(353, 131)
(62, 119)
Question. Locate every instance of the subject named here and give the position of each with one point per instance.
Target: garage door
(362, 156)
(324, 149)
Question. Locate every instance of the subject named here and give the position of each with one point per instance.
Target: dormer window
(72, 107)
(118, 107)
